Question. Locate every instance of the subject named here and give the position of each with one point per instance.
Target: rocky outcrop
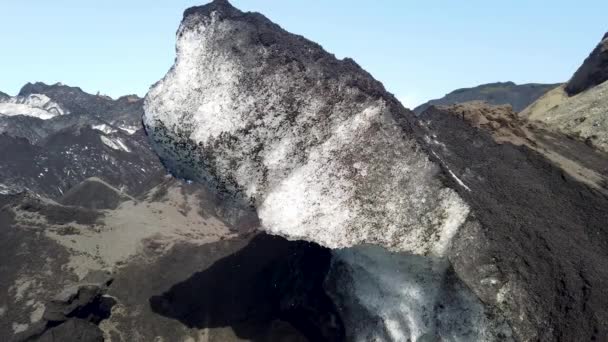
(592, 72)
(577, 158)
(518, 96)
(75, 313)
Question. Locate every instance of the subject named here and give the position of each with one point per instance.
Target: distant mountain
(579, 108)
(126, 110)
(53, 137)
(35, 105)
(519, 96)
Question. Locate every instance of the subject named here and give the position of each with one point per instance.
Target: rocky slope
(124, 112)
(579, 108)
(577, 158)
(519, 96)
(437, 230)
(541, 236)
(60, 161)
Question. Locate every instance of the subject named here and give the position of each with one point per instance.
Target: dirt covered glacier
(437, 231)
(315, 149)
(314, 144)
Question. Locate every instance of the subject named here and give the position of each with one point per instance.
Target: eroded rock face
(317, 146)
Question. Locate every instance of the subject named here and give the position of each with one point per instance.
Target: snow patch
(106, 129)
(130, 130)
(458, 180)
(115, 143)
(35, 105)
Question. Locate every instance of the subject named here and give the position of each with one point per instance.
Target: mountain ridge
(518, 96)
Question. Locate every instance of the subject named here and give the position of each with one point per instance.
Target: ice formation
(315, 146)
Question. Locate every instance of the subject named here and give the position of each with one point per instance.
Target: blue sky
(418, 49)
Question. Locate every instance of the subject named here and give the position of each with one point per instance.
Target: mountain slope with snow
(125, 111)
(34, 105)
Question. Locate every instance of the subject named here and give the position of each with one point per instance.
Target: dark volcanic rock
(84, 301)
(593, 71)
(541, 251)
(269, 281)
(3, 96)
(519, 96)
(40, 299)
(74, 330)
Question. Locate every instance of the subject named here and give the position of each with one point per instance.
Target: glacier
(321, 152)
